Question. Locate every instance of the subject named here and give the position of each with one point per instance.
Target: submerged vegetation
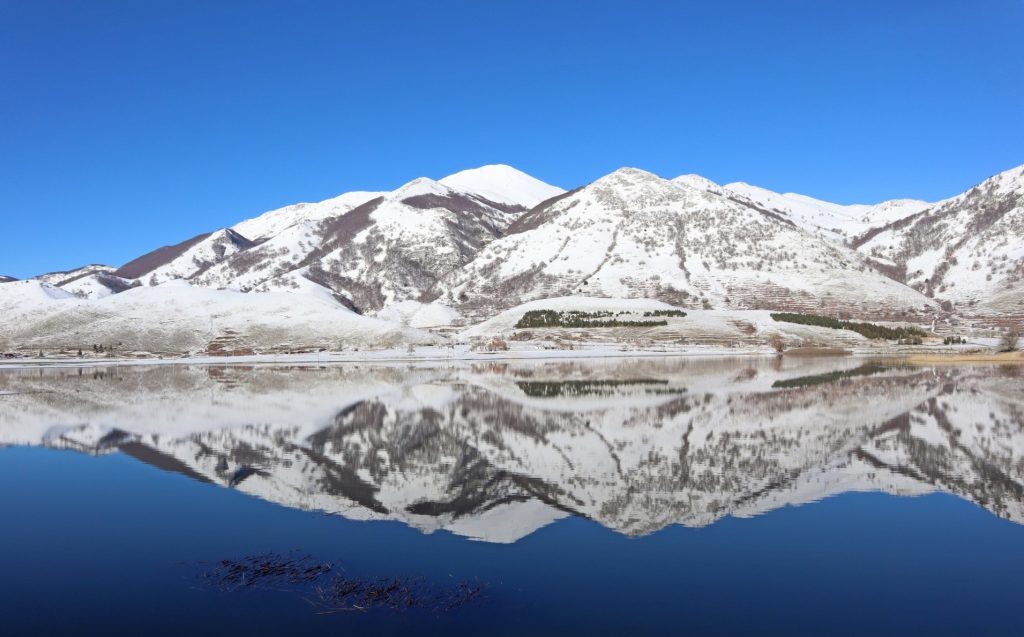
(868, 330)
(575, 318)
(329, 590)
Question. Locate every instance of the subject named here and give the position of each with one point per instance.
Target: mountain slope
(271, 223)
(390, 249)
(967, 251)
(67, 276)
(633, 234)
(833, 221)
(97, 285)
(185, 259)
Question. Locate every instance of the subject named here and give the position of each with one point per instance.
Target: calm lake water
(616, 497)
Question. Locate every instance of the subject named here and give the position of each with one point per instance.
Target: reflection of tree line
(551, 389)
(868, 369)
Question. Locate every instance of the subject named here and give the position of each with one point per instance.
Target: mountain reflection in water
(496, 451)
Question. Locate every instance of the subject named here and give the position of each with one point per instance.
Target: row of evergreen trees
(574, 318)
(868, 330)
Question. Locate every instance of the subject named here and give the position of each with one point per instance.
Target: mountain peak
(502, 184)
(420, 186)
(694, 180)
(630, 175)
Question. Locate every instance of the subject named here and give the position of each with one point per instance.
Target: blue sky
(129, 125)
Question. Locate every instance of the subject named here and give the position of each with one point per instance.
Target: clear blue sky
(128, 125)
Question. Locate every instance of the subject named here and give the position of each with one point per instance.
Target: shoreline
(458, 355)
(993, 358)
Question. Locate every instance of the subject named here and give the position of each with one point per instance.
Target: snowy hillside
(67, 276)
(376, 249)
(184, 260)
(633, 234)
(176, 318)
(967, 251)
(832, 221)
(392, 248)
(271, 223)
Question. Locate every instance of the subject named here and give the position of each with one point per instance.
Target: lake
(655, 496)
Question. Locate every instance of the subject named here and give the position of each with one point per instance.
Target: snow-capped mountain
(494, 454)
(490, 238)
(633, 234)
(6, 279)
(967, 251)
(390, 249)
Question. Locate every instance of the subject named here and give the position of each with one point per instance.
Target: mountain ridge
(485, 239)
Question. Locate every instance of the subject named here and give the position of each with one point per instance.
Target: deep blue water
(108, 544)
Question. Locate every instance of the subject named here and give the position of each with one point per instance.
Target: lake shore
(1000, 358)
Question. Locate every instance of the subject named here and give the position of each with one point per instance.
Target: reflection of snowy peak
(495, 453)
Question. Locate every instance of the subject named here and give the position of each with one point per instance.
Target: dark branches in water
(330, 591)
(264, 571)
(344, 594)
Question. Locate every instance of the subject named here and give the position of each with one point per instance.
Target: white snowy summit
(502, 184)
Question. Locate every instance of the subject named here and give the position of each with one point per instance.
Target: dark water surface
(629, 497)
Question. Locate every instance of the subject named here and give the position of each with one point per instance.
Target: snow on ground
(21, 300)
(502, 184)
(177, 318)
(419, 315)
